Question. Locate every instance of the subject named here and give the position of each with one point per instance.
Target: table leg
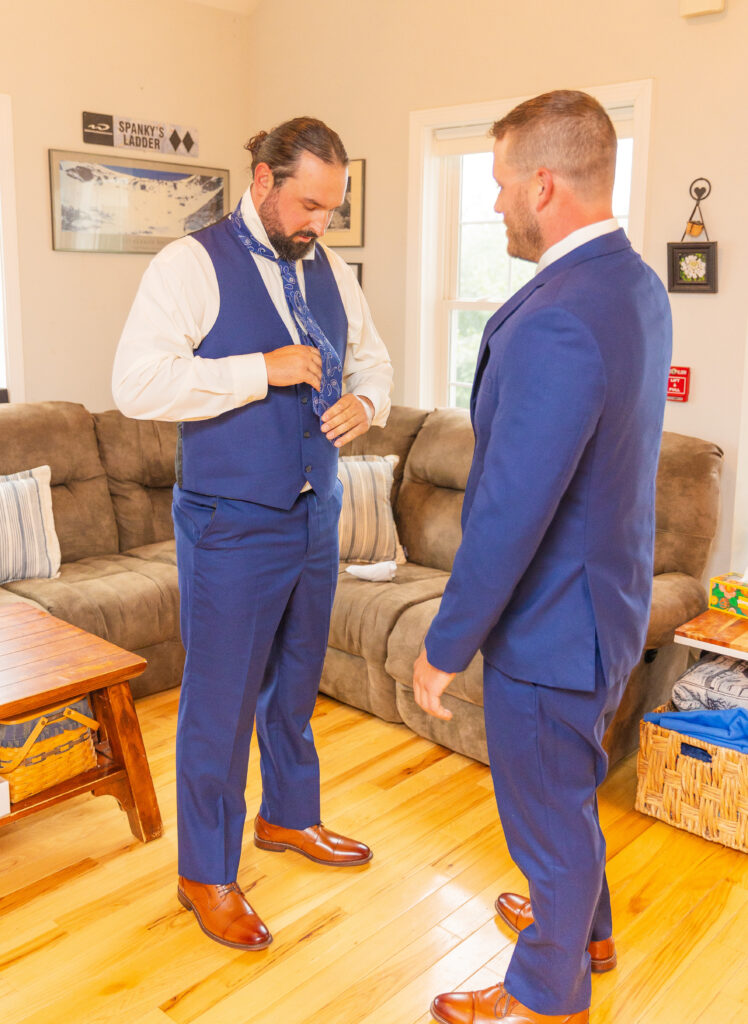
(114, 707)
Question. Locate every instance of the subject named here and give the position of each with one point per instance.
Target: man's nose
(319, 222)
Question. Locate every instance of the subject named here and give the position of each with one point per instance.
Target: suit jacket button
(304, 399)
(307, 469)
(307, 434)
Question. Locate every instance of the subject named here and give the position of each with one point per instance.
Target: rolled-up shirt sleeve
(367, 372)
(158, 372)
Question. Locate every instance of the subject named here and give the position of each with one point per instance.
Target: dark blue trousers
(256, 588)
(547, 760)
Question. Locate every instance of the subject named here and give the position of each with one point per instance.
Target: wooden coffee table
(44, 661)
(716, 631)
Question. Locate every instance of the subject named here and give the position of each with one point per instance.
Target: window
(457, 244)
(11, 357)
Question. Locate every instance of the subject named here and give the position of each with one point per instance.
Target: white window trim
(14, 373)
(422, 375)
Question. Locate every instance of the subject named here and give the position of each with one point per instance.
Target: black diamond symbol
(174, 139)
(188, 141)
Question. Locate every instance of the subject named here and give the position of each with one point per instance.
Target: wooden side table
(44, 661)
(716, 631)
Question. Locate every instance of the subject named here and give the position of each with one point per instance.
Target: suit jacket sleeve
(548, 390)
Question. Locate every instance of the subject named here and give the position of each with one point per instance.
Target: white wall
(363, 66)
(157, 59)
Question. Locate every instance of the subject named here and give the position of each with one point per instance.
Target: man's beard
(524, 238)
(288, 247)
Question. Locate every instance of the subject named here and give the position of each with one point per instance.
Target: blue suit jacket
(558, 518)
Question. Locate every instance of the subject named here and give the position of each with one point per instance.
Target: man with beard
(552, 580)
(247, 332)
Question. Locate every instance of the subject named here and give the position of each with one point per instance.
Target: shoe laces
(224, 890)
(502, 1004)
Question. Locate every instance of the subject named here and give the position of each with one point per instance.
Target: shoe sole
(437, 1016)
(188, 905)
(265, 844)
(597, 966)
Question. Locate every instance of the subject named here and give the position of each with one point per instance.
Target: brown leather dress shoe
(516, 911)
(492, 1004)
(316, 842)
(224, 914)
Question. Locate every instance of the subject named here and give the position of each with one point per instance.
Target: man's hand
(346, 419)
(429, 684)
(294, 364)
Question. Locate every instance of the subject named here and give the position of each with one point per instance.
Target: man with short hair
(553, 577)
(248, 332)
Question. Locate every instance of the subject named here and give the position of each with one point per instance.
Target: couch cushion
(430, 501)
(162, 551)
(688, 479)
(28, 542)
(394, 439)
(61, 435)
(406, 643)
(138, 456)
(129, 601)
(364, 613)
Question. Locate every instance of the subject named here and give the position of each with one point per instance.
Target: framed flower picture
(692, 267)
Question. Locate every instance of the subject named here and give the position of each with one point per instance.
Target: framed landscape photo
(120, 204)
(347, 225)
(692, 266)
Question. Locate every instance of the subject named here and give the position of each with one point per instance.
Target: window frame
(426, 370)
(11, 359)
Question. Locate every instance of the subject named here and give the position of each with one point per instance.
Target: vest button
(307, 434)
(304, 399)
(307, 469)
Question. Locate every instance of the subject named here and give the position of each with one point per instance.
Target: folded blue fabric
(722, 728)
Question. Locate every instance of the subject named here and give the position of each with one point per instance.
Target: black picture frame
(692, 267)
(359, 270)
(346, 228)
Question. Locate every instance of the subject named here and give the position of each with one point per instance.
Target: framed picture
(120, 204)
(692, 266)
(358, 269)
(347, 225)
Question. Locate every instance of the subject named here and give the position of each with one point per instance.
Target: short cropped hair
(281, 148)
(566, 131)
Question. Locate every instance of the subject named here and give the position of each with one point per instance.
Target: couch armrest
(676, 598)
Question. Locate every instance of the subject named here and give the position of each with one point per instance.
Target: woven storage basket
(52, 744)
(707, 798)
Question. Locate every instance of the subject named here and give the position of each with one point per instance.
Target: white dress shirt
(158, 371)
(574, 240)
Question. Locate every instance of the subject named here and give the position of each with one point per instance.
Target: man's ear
(263, 181)
(542, 188)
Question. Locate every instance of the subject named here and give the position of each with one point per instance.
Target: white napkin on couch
(379, 572)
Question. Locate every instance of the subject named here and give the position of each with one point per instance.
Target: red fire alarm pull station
(679, 383)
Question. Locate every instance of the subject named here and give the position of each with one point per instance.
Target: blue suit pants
(256, 588)
(547, 760)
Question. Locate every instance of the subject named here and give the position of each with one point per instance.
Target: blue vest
(266, 450)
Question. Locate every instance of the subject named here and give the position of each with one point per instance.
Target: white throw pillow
(367, 531)
(29, 548)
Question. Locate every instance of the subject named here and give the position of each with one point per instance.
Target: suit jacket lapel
(601, 246)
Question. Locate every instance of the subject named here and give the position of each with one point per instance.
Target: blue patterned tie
(310, 331)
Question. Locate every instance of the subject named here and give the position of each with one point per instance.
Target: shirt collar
(575, 239)
(255, 225)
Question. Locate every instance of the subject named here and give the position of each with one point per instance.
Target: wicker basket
(709, 798)
(52, 744)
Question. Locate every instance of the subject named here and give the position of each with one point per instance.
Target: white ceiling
(237, 6)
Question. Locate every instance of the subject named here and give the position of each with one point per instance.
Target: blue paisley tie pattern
(310, 331)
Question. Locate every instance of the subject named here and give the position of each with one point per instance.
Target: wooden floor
(91, 931)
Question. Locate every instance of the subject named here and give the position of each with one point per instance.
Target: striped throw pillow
(29, 547)
(367, 531)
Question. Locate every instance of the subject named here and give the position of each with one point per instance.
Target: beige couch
(111, 492)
